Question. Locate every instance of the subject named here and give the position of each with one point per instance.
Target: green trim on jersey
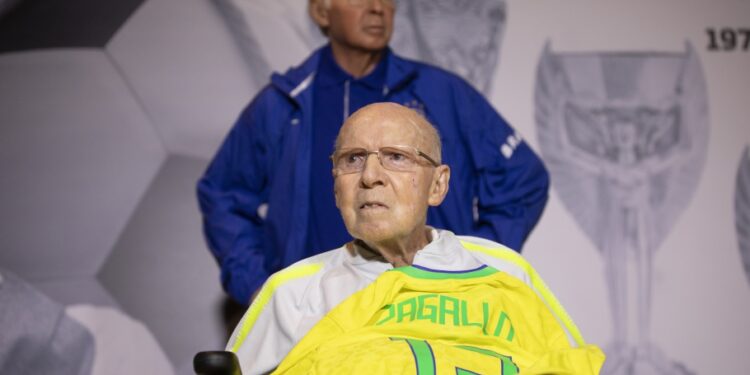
(423, 357)
(506, 362)
(506, 254)
(421, 273)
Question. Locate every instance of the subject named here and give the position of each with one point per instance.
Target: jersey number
(425, 359)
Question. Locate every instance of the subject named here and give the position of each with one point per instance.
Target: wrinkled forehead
(381, 127)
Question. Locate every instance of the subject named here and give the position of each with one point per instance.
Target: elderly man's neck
(400, 252)
(356, 62)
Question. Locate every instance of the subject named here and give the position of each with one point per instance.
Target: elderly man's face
(357, 24)
(379, 204)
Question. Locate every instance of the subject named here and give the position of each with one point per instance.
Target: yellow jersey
(415, 320)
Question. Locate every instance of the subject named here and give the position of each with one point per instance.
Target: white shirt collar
(444, 252)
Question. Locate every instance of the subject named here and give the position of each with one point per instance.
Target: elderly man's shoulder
(500, 257)
(301, 272)
(317, 282)
(483, 245)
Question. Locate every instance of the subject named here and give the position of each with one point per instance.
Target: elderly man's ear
(319, 13)
(439, 188)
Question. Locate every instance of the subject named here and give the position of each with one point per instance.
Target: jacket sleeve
(229, 194)
(512, 183)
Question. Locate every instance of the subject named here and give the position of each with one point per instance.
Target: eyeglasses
(394, 158)
(359, 3)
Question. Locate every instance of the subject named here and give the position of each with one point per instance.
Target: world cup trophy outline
(625, 154)
(462, 36)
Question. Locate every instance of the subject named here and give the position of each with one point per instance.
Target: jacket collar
(329, 72)
(400, 72)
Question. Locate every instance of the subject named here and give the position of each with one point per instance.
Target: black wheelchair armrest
(216, 363)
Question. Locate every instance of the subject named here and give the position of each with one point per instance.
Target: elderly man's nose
(376, 5)
(372, 171)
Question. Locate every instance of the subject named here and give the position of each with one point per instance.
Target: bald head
(384, 199)
(414, 126)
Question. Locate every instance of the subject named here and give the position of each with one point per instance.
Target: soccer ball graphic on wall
(624, 136)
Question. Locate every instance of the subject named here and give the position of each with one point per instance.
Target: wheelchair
(218, 362)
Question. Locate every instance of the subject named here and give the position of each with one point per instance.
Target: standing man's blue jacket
(255, 194)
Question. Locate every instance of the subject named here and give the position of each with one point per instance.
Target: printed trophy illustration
(462, 36)
(624, 136)
(742, 210)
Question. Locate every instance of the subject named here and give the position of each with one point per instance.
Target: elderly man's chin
(373, 231)
(373, 44)
(381, 229)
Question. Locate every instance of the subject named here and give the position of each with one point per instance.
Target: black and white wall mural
(624, 136)
(110, 111)
(462, 36)
(38, 335)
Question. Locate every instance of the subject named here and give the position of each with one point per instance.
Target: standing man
(266, 197)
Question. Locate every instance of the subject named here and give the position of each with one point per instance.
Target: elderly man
(387, 172)
(266, 199)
